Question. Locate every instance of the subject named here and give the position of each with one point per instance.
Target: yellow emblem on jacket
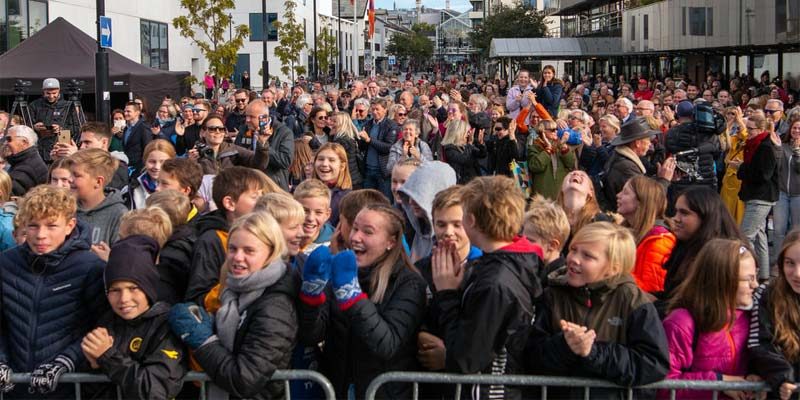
(135, 344)
(171, 354)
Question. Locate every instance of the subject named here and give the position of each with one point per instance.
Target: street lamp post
(341, 51)
(314, 65)
(102, 102)
(265, 62)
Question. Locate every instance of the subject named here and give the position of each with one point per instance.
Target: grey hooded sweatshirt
(430, 178)
(104, 219)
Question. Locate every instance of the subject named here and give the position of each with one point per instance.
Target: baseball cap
(684, 109)
(51, 83)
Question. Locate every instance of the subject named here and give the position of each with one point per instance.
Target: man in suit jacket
(136, 136)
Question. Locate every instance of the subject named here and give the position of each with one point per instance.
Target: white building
(143, 31)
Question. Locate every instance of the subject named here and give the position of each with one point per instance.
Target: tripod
(21, 105)
(75, 117)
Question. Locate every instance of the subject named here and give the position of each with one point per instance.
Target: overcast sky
(460, 5)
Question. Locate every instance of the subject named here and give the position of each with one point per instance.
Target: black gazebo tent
(61, 50)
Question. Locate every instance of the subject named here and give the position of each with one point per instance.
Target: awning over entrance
(555, 48)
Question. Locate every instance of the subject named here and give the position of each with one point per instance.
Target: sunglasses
(241, 100)
(361, 111)
(215, 128)
(771, 111)
(322, 118)
(401, 114)
(498, 128)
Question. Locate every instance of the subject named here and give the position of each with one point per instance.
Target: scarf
(238, 294)
(751, 145)
(551, 151)
(148, 183)
(626, 152)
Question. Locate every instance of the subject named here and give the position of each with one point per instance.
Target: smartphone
(264, 121)
(64, 136)
(119, 123)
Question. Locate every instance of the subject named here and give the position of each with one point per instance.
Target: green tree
(414, 47)
(519, 21)
(206, 24)
(327, 50)
(292, 40)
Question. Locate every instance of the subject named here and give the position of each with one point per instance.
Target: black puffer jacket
(147, 360)
(464, 160)
(480, 322)
(263, 344)
(27, 170)
(49, 302)
(368, 339)
(208, 255)
(351, 148)
(174, 263)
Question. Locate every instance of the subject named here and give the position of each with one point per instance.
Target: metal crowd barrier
(78, 379)
(553, 381)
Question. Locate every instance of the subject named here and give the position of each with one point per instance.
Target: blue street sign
(105, 32)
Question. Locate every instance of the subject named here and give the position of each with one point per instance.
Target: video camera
(204, 150)
(74, 89)
(707, 120)
(19, 87)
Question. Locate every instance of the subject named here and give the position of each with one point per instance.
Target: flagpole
(355, 40)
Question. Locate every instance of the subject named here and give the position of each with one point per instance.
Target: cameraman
(49, 114)
(703, 146)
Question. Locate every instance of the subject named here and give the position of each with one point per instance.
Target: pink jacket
(723, 352)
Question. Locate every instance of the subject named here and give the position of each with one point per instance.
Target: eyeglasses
(768, 111)
(401, 114)
(215, 128)
(199, 110)
(361, 111)
(322, 118)
(241, 100)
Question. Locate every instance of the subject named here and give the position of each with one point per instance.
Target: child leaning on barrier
(774, 343)
(709, 318)
(51, 291)
(593, 321)
(481, 308)
(133, 345)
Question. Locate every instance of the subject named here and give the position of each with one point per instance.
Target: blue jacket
(7, 213)
(49, 302)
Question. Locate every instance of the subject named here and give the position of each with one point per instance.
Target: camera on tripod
(19, 87)
(74, 89)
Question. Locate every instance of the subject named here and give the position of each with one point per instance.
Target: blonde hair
(344, 126)
(152, 222)
(312, 188)
(450, 197)
(95, 162)
(620, 246)
(547, 220)
(343, 180)
(5, 186)
(46, 202)
(176, 204)
(497, 205)
(612, 121)
(266, 229)
(456, 132)
(280, 206)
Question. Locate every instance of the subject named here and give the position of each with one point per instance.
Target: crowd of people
(595, 227)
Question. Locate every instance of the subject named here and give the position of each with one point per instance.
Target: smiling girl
(155, 153)
(332, 168)
(376, 305)
(593, 321)
(255, 327)
(774, 341)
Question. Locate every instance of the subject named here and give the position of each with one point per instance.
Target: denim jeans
(754, 227)
(374, 179)
(785, 217)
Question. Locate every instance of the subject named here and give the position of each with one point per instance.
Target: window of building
(683, 20)
(19, 20)
(377, 47)
(633, 27)
(780, 16)
(155, 47)
(257, 30)
(646, 27)
(701, 21)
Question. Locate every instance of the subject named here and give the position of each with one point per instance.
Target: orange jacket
(651, 254)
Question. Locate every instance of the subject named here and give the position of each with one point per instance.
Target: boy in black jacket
(495, 301)
(235, 192)
(134, 345)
